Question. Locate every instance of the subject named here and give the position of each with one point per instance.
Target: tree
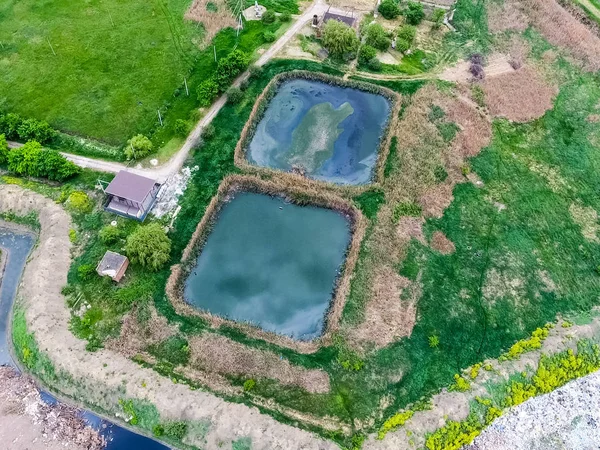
(268, 36)
(377, 37)
(207, 92)
(234, 95)
(414, 13)
(110, 235)
(25, 160)
(149, 246)
(3, 150)
(389, 9)
(138, 147)
(229, 68)
(408, 33)
(366, 54)
(339, 39)
(9, 125)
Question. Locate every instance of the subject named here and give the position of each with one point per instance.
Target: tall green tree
(340, 39)
(149, 246)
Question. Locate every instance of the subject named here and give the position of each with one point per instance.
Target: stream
(18, 244)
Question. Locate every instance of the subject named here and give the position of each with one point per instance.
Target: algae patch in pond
(271, 263)
(331, 132)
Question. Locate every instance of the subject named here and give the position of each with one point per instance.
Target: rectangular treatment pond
(271, 263)
(326, 131)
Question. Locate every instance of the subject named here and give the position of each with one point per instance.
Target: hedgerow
(34, 161)
(16, 128)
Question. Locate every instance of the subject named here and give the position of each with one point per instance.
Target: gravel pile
(566, 419)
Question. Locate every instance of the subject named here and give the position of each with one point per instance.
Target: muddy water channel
(271, 263)
(17, 245)
(331, 132)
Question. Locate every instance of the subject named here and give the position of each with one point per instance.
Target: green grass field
(98, 69)
(103, 69)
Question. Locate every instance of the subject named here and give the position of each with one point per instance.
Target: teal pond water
(332, 132)
(271, 263)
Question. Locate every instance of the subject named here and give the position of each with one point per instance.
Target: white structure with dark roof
(131, 195)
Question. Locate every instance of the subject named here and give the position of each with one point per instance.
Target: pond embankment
(104, 377)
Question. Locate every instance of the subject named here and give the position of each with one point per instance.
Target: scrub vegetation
(480, 230)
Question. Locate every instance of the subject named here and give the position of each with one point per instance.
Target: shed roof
(111, 264)
(130, 186)
(348, 20)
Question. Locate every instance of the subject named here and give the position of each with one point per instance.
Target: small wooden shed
(113, 265)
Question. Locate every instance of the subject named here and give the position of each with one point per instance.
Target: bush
(374, 64)
(366, 54)
(268, 36)
(207, 92)
(402, 45)
(340, 40)
(434, 341)
(255, 71)
(406, 209)
(249, 385)
(138, 147)
(389, 9)
(35, 130)
(268, 17)
(437, 17)
(110, 235)
(377, 37)
(407, 33)
(234, 96)
(3, 150)
(229, 68)
(285, 17)
(181, 127)
(79, 202)
(149, 246)
(209, 132)
(31, 160)
(414, 13)
(175, 430)
(9, 125)
(86, 271)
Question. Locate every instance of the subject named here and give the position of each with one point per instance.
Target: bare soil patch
(27, 423)
(497, 64)
(213, 353)
(213, 21)
(521, 95)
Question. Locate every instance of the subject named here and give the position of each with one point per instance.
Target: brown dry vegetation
(520, 96)
(441, 243)
(218, 354)
(390, 304)
(213, 22)
(296, 189)
(557, 25)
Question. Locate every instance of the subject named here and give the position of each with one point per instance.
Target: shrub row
(16, 128)
(34, 161)
(228, 69)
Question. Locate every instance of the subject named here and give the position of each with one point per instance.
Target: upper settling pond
(331, 132)
(271, 263)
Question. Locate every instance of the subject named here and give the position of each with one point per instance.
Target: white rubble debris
(171, 190)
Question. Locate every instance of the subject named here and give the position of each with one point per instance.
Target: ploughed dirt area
(27, 423)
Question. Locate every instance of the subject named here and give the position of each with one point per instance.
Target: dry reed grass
(135, 337)
(269, 92)
(297, 190)
(520, 96)
(555, 23)
(213, 22)
(218, 354)
(390, 309)
(391, 312)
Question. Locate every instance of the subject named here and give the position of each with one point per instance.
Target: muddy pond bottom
(331, 132)
(271, 263)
